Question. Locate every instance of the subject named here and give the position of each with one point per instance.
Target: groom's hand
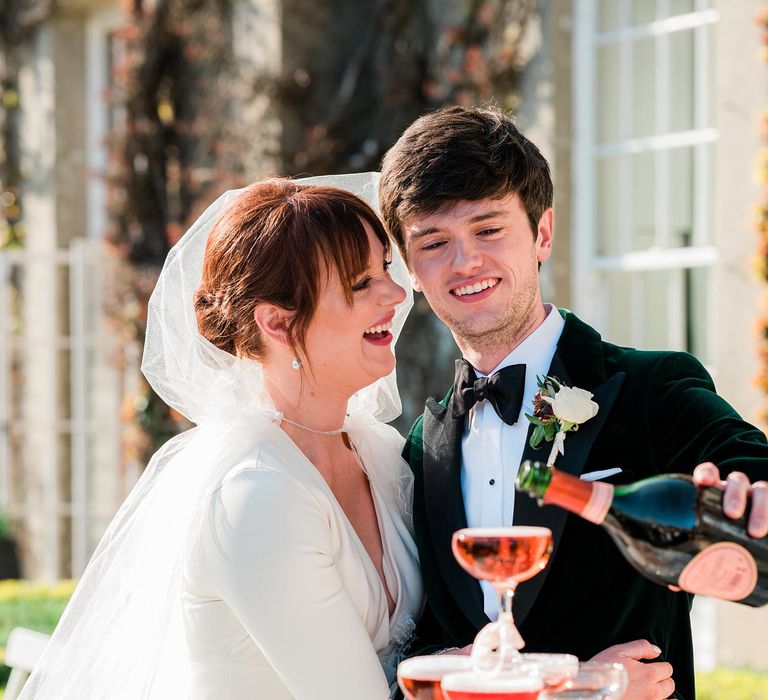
(738, 491)
(647, 681)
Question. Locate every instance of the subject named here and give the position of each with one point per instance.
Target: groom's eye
(432, 246)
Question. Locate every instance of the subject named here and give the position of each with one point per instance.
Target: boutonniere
(557, 410)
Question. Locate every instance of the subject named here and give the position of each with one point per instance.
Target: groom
(469, 201)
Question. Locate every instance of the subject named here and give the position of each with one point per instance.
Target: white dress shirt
(491, 450)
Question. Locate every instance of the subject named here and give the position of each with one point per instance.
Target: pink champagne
(505, 554)
(671, 531)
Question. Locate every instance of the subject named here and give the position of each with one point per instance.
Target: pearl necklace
(281, 417)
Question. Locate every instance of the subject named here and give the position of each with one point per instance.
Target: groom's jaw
(475, 290)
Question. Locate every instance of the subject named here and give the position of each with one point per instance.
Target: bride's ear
(273, 322)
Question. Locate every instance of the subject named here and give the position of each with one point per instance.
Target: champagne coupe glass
(419, 677)
(522, 683)
(504, 556)
(555, 669)
(594, 681)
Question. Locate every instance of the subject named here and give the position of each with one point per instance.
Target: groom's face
(477, 264)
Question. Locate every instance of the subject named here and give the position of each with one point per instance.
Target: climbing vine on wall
(171, 152)
(19, 20)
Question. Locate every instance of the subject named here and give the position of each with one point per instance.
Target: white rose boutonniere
(557, 410)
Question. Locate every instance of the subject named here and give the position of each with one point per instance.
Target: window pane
(616, 295)
(682, 7)
(704, 189)
(697, 307)
(607, 204)
(680, 197)
(607, 94)
(657, 307)
(644, 87)
(643, 201)
(681, 80)
(707, 63)
(644, 11)
(638, 308)
(608, 15)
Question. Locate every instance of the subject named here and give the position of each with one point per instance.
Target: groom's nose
(466, 256)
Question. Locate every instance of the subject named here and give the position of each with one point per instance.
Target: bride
(266, 553)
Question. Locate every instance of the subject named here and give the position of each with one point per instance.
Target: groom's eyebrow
(419, 233)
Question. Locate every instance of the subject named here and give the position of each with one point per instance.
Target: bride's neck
(301, 401)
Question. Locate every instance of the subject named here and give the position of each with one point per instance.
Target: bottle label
(724, 570)
(599, 503)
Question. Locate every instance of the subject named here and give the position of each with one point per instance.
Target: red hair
(274, 243)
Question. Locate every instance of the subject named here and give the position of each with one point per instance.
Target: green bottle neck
(534, 479)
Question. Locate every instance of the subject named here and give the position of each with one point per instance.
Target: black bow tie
(503, 389)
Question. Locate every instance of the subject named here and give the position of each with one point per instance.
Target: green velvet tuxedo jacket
(658, 413)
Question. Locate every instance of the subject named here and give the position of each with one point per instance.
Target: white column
(40, 381)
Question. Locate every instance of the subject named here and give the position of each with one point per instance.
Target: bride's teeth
(381, 328)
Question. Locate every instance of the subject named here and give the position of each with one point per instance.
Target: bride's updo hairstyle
(277, 242)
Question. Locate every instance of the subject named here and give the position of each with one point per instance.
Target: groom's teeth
(475, 288)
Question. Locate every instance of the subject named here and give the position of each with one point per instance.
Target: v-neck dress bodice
(281, 598)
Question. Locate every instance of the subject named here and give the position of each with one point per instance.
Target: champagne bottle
(670, 530)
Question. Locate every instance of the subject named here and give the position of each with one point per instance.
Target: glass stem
(506, 596)
(508, 634)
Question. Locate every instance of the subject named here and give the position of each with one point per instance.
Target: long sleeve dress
(281, 599)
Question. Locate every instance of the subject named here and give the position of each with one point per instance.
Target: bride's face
(350, 347)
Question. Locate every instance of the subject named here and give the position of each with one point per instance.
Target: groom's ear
(414, 282)
(273, 322)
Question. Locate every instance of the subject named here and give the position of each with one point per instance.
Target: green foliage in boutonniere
(558, 409)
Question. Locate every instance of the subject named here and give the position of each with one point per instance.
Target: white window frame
(587, 282)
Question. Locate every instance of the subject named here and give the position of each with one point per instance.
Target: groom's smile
(472, 291)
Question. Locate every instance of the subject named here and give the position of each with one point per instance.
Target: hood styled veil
(122, 635)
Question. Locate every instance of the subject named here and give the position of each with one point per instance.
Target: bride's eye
(361, 285)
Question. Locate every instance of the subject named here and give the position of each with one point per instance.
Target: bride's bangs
(341, 236)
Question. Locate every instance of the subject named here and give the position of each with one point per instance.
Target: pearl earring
(296, 363)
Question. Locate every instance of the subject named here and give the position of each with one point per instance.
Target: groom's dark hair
(461, 153)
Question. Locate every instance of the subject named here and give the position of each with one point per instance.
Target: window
(643, 170)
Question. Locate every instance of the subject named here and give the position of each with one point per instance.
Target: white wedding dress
(230, 571)
(281, 599)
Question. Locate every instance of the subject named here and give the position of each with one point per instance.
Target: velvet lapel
(445, 505)
(578, 344)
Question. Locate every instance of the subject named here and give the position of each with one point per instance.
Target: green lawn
(732, 684)
(34, 605)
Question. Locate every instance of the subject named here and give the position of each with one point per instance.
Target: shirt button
(492, 482)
